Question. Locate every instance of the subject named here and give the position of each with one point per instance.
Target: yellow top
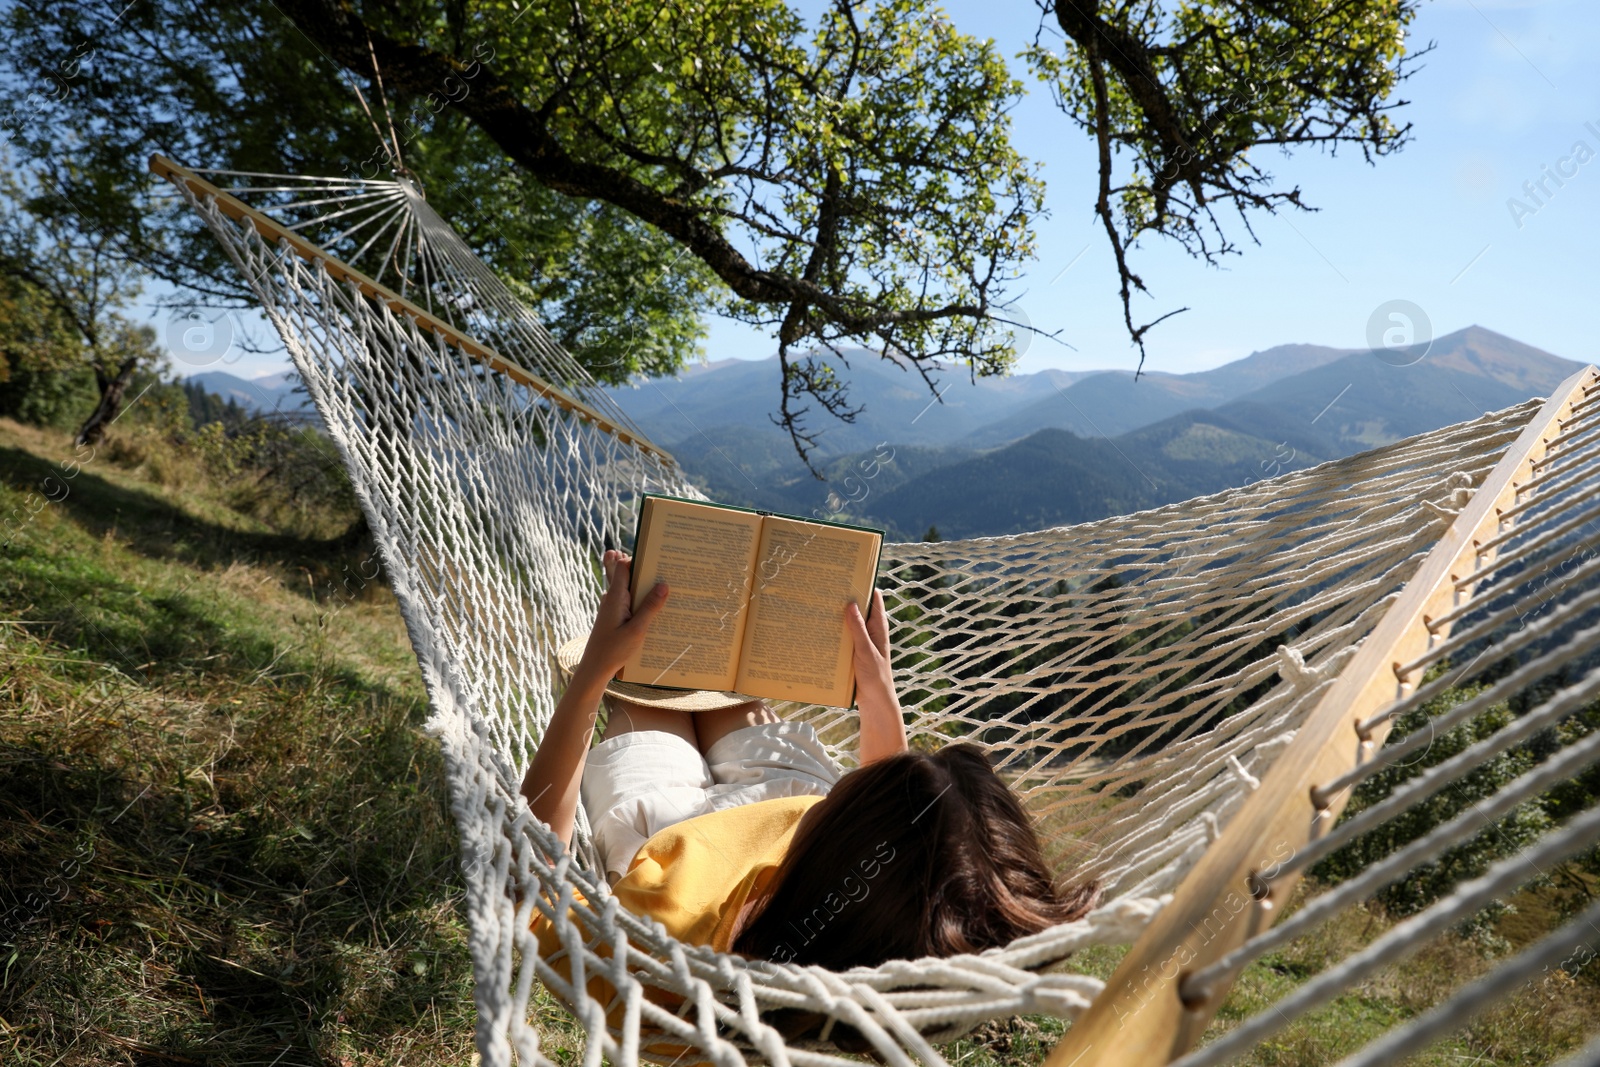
(694, 878)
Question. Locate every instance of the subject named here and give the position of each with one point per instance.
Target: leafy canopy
(847, 179)
(85, 100)
(851, 181)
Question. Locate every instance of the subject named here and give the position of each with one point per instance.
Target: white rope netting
(1135, 677)
(1524, 638)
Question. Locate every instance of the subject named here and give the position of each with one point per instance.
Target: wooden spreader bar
(274, 231)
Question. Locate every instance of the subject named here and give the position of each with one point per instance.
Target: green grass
(1538, 1023)
(1541, 1020)
(225, 836)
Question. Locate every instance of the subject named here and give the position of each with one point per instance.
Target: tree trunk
(110, 406)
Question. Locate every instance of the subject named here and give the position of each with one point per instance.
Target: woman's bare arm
(551, 784)
(883, 727)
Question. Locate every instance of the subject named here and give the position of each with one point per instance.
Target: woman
(736, 830)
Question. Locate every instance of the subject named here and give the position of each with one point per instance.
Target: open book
(757, 600)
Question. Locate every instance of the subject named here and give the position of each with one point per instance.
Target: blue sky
(1506, 92)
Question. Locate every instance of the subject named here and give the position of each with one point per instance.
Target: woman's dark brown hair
(914, 855)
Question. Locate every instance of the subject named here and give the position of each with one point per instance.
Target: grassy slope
(225, 836)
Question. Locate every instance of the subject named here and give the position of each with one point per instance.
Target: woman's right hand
(619, 630)
(553, 780)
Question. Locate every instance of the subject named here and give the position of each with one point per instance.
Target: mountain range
(268, 393)
(1005, 455)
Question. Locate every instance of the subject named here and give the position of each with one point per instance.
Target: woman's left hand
(883, 730)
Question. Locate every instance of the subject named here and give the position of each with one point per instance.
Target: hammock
(1184, 697)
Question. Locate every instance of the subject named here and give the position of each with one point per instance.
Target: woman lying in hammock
(736, 830)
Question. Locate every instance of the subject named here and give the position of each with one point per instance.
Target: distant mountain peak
(268, 392)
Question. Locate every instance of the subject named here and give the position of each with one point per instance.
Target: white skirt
(638, 784)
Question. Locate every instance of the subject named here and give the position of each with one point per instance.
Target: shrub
(58, 399)
(1429, 882)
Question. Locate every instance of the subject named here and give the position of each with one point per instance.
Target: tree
(852, 181)
(207, 407)
(40, 356)
(855, 183)
(78, 270)
(1189, 90)
(1507, 836)
(239, 87)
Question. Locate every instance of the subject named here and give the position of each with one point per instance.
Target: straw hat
(654, 696)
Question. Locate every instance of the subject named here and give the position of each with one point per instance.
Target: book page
(706, 555)
(796, 645)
